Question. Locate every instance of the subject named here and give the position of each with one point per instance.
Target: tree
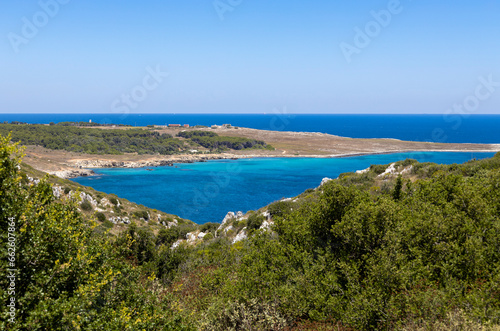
(396, 193)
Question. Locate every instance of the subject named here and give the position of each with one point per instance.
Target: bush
(67, 190)
(141, 214)
(209, 227)
(108, 224)
(167, 236)
(113, 200)
(255, 221)
(280, 208)
(378, 168)
(252, 315)
(100, 217)
(86, 205)
(208, 237)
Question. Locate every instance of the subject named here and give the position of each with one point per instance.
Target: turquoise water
(205, 192)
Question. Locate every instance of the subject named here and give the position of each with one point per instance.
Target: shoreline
(101, 164)
(286, 144)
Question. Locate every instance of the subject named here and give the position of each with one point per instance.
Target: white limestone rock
(84, 196)
(241, 235)
(324, 181)
(389, 171)
(265, 225)
(364, 171)
(229, 216)
(176, 244)
(57, 191)
(191, 236)
(227, 229)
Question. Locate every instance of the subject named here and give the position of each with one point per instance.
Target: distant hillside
(118, 141)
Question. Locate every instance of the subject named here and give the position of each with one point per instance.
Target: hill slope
(403, 246)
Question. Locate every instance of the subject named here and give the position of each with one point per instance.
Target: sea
(451, 128)
(205, 192)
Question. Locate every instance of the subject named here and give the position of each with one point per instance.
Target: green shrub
(167, 236)
(250, 315)
(254, 221)
(141, 214)
(100, 217)
(113, 200)
(208, 236)
(67, 190)
(86, 205)
(378, 168)
(108, 224)
(280, 208)
(209, 227)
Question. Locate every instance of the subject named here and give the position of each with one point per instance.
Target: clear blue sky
(262, 55)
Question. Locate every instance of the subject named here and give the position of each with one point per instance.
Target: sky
(250, 56)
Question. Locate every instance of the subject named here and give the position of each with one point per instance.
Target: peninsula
(65, 163)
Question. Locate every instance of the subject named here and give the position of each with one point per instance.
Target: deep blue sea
(205, 192)
(453, 128)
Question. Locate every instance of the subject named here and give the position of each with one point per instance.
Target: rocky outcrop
(265, 225)
(241, 235)
(229, 216)
(364, 171)
(191, 237)
(72, 173)
(84, 196)
(227, 229)
(176, 244)
(325, 180)
(118, 220)
(57, 191)
(392, 170)
(389, 171)
(122, 164)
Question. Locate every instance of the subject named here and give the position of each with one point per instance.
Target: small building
(186, 125)
(174, 125)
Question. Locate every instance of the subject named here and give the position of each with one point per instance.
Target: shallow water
(205, 192)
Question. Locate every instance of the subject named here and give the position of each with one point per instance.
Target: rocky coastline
(83, 167)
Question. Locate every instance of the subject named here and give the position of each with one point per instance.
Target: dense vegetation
(363, 252)
(213, 141)
(93, 141)
(67, 136)
(89, 124)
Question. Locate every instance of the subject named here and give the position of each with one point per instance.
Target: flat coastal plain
(287, 144)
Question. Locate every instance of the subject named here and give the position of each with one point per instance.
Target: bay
(205, 192)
